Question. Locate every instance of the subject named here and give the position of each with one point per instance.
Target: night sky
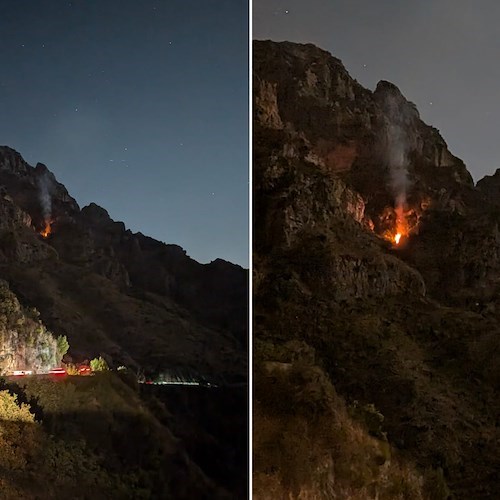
(140, 106)
(442, 54)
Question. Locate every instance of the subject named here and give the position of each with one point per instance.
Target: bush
(71, 369)
(12, 410)
(99, 364)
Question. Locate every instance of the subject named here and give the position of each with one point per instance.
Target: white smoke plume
(45, 191)
(398, 147)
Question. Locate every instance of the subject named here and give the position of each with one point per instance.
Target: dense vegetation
(90, 437)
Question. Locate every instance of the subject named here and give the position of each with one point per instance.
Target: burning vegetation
(47, 229)
(401, 226)
(397, 224)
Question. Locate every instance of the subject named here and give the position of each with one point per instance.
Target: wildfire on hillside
(47, 229)
(401, 227)
(397, 224)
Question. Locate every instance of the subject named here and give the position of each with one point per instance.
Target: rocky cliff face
(359, 152)
(25, 343)
(402, 326)
(133, 299)
(490, 187)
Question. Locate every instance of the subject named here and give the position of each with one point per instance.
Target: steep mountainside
(376, 280)
(131, 298)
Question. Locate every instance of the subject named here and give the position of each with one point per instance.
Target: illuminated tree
(62, 345)
(11, 410)
(99, 364)
(71, 369)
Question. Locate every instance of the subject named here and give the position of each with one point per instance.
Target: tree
(99, 364)
(12, 410)
(62, 345)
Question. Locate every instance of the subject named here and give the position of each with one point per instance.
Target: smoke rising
(397, 150)
(398, 162)
(45, 191)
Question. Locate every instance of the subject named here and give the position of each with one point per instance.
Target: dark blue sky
(138, 105)
(442, 54)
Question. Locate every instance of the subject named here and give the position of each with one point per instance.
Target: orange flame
(47, 229)
(402, 229)
(398, 223)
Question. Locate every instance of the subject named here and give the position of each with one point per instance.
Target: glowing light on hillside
(398, 224)
(45, 232)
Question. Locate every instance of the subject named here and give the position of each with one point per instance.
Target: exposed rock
(11, 216)
(266, 105)
(22, 183)
(25, 342)
(489, 185)
(345, 127)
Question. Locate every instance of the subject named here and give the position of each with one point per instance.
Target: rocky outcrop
(490, 187)
(372, 277)
(16, 243)
(29, 186)
(303, 199)
(266, 105)
(12, 162)
(303, 171)
(346, 129)
(25, 343)
(11, 216)
(325, 148)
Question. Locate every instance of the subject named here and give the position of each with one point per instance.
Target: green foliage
(11, 409)
(99, 364)
(52, 463)
(71, 369)
(62, 345)
(18, 435)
